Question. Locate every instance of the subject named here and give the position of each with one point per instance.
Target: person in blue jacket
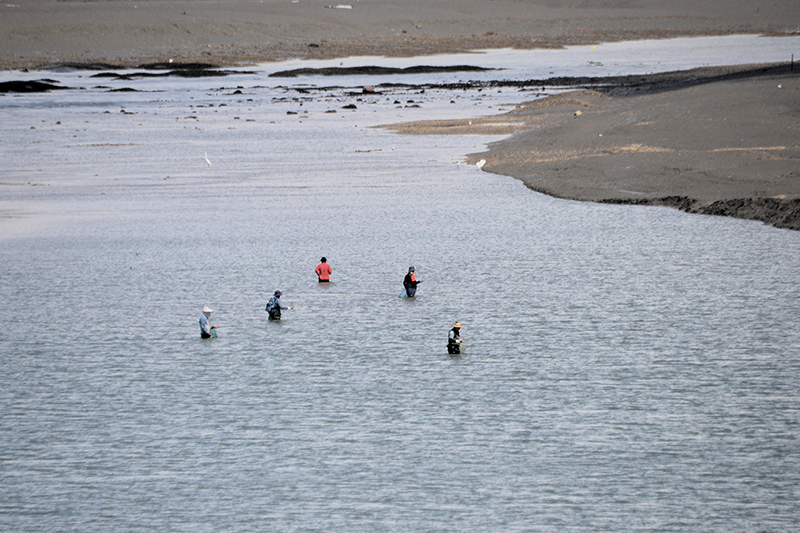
(274, 306)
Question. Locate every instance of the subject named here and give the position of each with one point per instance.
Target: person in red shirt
(323, 271)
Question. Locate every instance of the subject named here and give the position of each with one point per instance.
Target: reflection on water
(628, 368)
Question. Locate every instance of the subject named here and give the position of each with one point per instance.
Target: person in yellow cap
(454, 343)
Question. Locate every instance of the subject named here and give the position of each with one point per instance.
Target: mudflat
(720, 144)
(708, 141)
(40, 32)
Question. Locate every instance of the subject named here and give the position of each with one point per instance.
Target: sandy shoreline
(715, 140)
(724, 146)
(43, 32)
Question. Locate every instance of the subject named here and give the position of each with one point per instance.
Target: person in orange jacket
(323, 271)
(410, 282)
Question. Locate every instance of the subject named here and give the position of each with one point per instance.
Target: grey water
(628, 368)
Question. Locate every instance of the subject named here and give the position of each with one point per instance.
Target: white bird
(480, 163)
(207, 161)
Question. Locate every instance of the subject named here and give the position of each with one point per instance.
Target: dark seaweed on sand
(28, 87)
(374, 71)
(179, 70)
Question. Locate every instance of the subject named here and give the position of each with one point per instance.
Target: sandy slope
(714, 140)
(727, 148)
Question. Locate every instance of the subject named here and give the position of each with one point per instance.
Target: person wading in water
(454, 342)
(323, 271)
(410, 282)
(205, 327)
(274, 306)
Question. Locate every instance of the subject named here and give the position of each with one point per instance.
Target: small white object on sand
(480, 163)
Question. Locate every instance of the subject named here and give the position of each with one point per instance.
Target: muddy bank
(778, 212)
(728, 146)
(719, 141)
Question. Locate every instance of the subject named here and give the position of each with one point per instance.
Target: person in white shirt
(205, 327)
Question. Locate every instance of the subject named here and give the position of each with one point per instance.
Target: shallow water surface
(628, 368)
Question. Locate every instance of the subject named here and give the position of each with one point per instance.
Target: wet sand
(724, 146)
(715, 140)
(706, 145)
